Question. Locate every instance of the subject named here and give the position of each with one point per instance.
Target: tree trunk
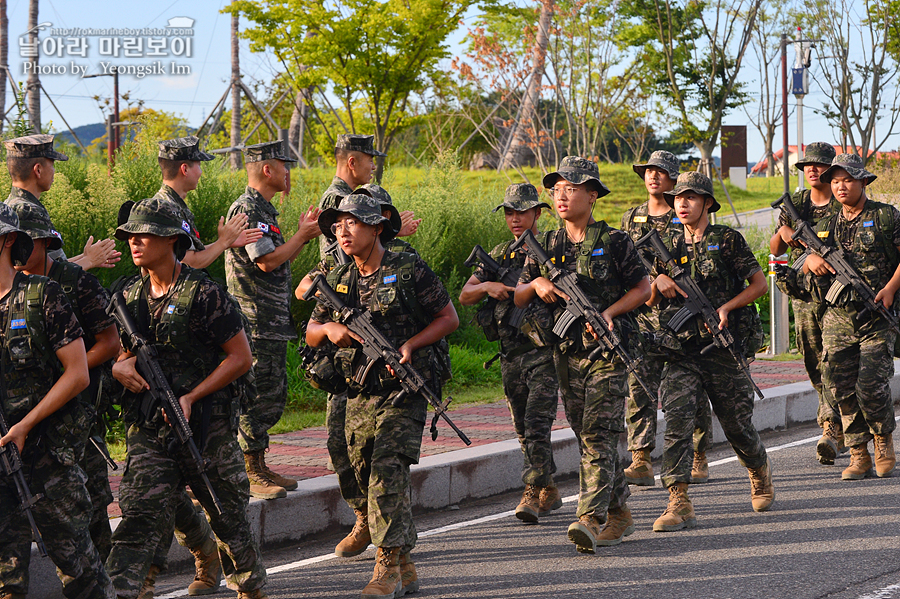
(33, 85)
(521, 128)
(236, 159)
(298, 122)
(4, 60)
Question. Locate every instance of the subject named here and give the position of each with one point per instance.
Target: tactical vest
(31, 368)
(802, 201)
(66, 274)
(394, 297)
(716, 279)
(495, 314)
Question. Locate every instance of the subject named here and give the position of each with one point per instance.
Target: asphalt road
(824, 537)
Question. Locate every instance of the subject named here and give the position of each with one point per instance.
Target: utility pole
(112, 127)
(236, 157)
(800, 88)
(784, 114)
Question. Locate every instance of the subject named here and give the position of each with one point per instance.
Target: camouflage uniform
(157, 466)
(49, 455)
(858, 352)
(720, 263)
(384, 440)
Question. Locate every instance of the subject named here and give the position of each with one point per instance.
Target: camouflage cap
(357, 143)
(9, 223)
(384, 198)
(692, 181)
(521, 197)
(36, 223)
(660, 159)
(577, 170)
(183, 148)
(365, 208)
(156, 217)
(270, 150)
(818, 152)
(33, 146)
(853, 164)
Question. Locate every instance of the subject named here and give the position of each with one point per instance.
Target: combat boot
(408, 577)
(386, 579)
(529, 507)
(762, 491)
(358, 538)
(584, 532)
(640, 472)
(827, 447)
(288, 484)
(885, 459)
(700, 468)
(149, 584)
(679, 513)
(261, 486)
(549, 500)
(207, 569)
(860, 464)
(618, 525)
(254, 594)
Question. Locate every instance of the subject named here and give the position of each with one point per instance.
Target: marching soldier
(383, 439)
(526, 361)
(43, 367)
(611, 274)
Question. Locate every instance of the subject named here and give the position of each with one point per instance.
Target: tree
(4, 59)
(236, 158)
(380, 52)
(33, 86)
(686, 53)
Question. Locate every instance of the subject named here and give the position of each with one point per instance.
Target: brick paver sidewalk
(302, 454)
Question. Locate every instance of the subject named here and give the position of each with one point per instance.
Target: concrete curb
(447, 479)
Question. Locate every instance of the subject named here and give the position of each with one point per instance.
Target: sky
(196, 67)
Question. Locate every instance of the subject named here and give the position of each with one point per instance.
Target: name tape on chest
(390, 279)
(712, 248)
(170, 309)
(869, 223)
(597, 252)
(640, 219)
(823, 234)
(341, 288)
(17, 323)
(676, 220)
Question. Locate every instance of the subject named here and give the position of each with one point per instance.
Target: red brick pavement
(302, 454)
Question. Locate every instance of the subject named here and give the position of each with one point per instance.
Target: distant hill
(86, 133)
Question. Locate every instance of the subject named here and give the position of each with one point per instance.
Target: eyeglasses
(568, 190)
(350, 224)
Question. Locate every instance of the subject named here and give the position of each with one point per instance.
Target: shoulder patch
(186, 227)
(262, 227)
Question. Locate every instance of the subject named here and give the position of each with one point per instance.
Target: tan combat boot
(386, 579)
(261, 486)
(529, 507)
(207, 569)
(885, 459)
(827, 447)
(408, 577)
(700, 468)
(640, 472)
(549, 500)
(679, 513)
(288, 484)
(358, 538)
(255, 594)
(618, 525)
(860, 464)
(149, 584)
(762, 491)
(584, 532)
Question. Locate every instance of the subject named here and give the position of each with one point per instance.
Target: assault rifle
(696, 304)
(160, 390)
(376, 347)
(579, 306)
(337, 254)
(506, 276)
(845, 274)
(11, 463)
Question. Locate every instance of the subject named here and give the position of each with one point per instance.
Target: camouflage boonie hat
(818, 152)
(183, 148)
(853, 164)
(357, 143)
(9, 223)
(33, 146)
(365, 208)
(156, 217)
(36, 223)
(660, 159)
(577, 170)
(521, 197)
(692, 181)
(270, 150)
(381, 196)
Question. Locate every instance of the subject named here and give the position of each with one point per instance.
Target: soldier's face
(150, 250)
(519, 222)
(44, 174)
(38, 259)
(657, 181)
(690, 207)
(573, 202)
(362, 166)
(846, 189)
(354, 236)
(192, 172)
(813, 172)
(278, 174)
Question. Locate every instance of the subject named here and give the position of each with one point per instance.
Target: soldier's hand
(125, 371)
(723, 317)
(228, 231)
(17, 434)
(885, 297)
(785, 232)
(409, 224)
(498, 291)
(247, 237)
(547, 291)
(406, 355)
(102, 254)
(185, 404)
(340, 335)
(817, 265)
(308, 225)
(667, 287)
